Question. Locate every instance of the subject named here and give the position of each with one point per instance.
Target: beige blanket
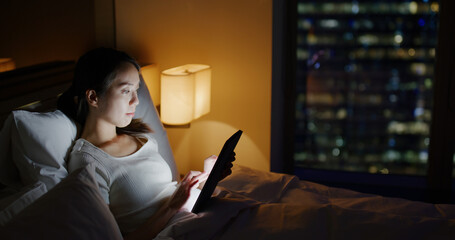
(260, 205)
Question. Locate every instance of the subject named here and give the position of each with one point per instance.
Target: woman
(133, 178)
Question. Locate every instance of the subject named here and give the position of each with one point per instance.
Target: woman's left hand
(227, 170)
(210, 162)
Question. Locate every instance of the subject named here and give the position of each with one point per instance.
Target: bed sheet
(251, 204)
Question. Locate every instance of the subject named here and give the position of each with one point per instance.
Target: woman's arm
(158, 221)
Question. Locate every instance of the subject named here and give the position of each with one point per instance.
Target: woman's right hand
(160, 218)
(182, 193)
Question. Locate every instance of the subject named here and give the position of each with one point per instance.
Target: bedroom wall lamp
(185, 94)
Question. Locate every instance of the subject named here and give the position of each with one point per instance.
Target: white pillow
(74, 209)
(40, 143)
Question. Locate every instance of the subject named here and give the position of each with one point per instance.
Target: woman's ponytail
(135, 128)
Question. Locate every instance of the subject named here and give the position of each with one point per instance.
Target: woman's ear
(92, 98)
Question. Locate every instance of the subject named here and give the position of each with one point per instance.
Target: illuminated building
(364, 83)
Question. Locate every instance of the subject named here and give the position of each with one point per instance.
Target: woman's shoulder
(83, 153)
(82, 146)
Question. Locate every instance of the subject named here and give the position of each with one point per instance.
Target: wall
(235, 38)
(41, 31)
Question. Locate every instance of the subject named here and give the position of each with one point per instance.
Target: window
(359, 90)
(364, 85)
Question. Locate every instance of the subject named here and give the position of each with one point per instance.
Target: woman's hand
(160, 218)
(182, 193)
(210, 162)
(227, 170)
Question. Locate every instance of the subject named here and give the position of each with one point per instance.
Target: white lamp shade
(185, 93)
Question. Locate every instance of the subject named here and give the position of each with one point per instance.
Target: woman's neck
(98, 132)
(105, 137)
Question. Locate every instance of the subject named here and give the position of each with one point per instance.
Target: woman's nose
(134, 99)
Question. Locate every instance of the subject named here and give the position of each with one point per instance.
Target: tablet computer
(217, 172)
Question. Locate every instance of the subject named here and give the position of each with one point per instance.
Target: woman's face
(119, 103)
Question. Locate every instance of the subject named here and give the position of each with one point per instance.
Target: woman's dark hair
(96, 70)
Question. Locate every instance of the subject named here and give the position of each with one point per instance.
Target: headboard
(34, 88)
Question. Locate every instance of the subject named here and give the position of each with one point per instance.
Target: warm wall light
(185, 93)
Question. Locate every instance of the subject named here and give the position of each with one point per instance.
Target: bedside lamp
(185, 93)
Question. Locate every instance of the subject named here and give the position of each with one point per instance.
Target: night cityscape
(364, 91)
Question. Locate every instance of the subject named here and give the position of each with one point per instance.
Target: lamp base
(177, 126)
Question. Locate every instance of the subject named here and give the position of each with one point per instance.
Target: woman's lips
(130, 114)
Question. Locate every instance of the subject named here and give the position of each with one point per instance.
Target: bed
(39, 199)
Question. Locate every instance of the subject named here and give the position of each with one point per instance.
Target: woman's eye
(126, 91)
